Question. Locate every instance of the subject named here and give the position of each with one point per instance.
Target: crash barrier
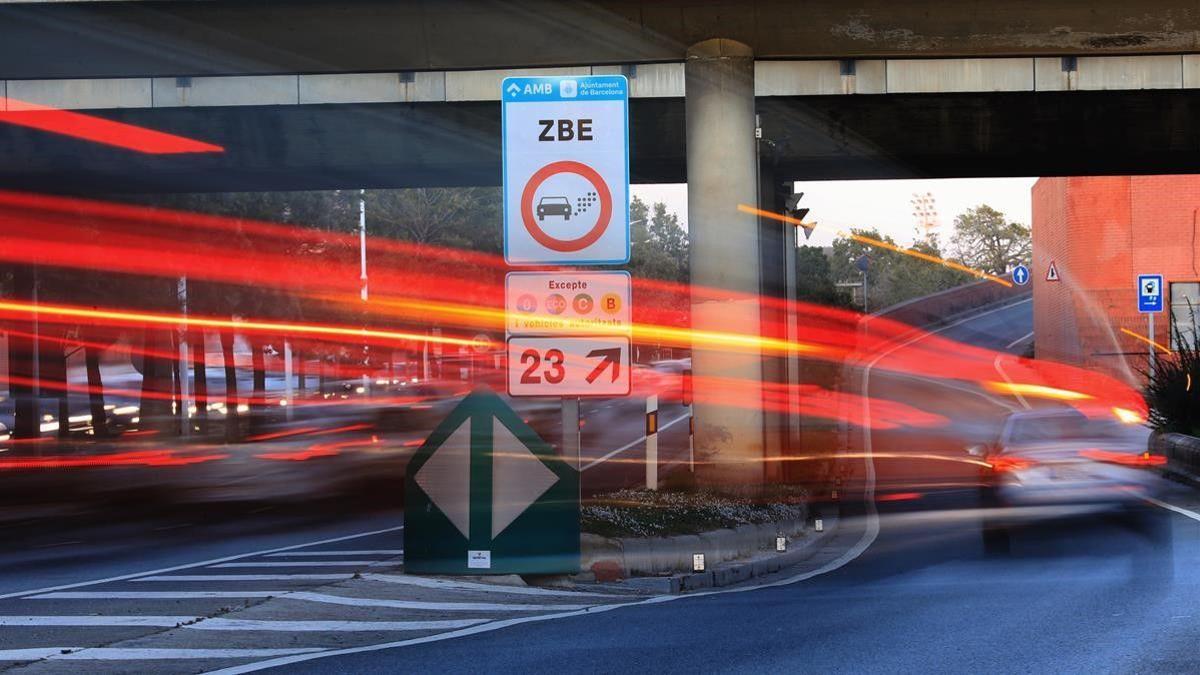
(930, 310)
(1182, 453)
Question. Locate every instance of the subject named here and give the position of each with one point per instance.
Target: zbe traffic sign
(566, 169)
(1150, 293)
(486, 495)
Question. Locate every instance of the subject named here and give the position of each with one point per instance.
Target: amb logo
(531, 89)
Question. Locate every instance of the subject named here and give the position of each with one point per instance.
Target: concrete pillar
(725, 260)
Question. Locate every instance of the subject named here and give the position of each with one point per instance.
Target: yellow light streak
(881, 244)
(206, 322)
(486, 317)
(1036, 391)
(1128, 416)
(1143, 338)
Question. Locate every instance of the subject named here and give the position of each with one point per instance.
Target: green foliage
(913, 277)
(646, 513)
(659, 243)
(464, 218)
(892, 277)
(814, 279)
(984, 240)
(1173, 391)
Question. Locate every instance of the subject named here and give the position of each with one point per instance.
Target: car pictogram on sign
(554, 206)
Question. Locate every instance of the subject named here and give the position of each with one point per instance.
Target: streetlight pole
(362, 251)
(866, 308)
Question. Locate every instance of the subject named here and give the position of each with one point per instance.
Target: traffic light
(791, 211)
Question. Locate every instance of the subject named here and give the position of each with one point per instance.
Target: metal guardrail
(933, 309)
(1182, 453)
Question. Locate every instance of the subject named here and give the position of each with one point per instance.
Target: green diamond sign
(486, 495)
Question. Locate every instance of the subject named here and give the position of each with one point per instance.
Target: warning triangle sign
(1052, 272)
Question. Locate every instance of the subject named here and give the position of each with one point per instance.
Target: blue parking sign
(1150, 293)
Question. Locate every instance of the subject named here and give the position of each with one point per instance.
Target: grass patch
(647, 513)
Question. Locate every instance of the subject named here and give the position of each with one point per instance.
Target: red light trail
(98, 130)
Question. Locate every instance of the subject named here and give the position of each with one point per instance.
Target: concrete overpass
(226, 37)
(823, 119)
(310, 94)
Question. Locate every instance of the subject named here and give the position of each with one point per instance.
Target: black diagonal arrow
(611, 357)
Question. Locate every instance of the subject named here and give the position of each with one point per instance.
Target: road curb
(678, 551)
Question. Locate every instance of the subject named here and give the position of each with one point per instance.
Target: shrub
(646, 513)
(1173, 389)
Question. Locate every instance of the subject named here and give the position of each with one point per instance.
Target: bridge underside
(454, 144)
(225, 37)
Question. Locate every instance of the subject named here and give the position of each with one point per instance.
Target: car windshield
(659, 336)
(1058, 428)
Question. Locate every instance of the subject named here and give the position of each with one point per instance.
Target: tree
(892, 276)
(913, 277)
(814, 278)
(984, 240)
(465, 218)
(659, 243)
(847, 250)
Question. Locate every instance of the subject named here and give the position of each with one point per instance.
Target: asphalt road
(904, 586)
(1086, 591)
(1096, 594)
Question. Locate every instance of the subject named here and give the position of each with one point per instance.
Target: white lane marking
(1017, 394)
(247, 577)
(1019, 340)
(152, 654)
(426, 582)
(298, 563)
(389, 551)
(1177, 509)
(152, 595)
(91, 620)
(334, 626)
(630, 444)
(436, 606)
(201, 563)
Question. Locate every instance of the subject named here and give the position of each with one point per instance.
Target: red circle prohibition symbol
(566, 245)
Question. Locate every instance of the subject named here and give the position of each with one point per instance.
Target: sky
(882, 204)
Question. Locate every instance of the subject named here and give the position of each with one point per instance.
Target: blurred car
(1063, 458)
(419, 406)
(666, 379)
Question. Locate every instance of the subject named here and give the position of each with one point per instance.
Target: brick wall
(1102, 232)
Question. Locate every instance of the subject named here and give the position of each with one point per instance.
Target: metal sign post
(570, 431)
(1150, 302)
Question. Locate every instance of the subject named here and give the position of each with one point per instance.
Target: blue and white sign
(1150, 293)
(566, 170)
(1020, 275)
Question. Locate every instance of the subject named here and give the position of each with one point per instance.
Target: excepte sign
(566, 169)
(567, 303)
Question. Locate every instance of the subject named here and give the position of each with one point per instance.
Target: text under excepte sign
(569, 366)
(567, 303)
(566, 169)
